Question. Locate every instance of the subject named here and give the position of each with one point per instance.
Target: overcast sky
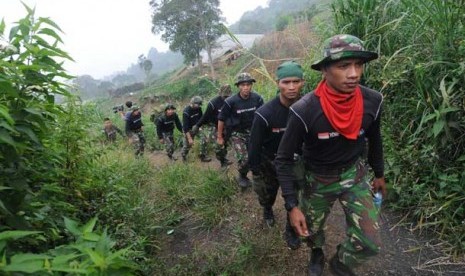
(105, 36)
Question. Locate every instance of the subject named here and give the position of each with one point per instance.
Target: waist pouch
(328, 176)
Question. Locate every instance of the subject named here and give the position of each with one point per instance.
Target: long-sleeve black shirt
(267, 130)
(210, 116)
(190, 116)
(323, 147)
(237, 113)
(134, 122)
(166, 124)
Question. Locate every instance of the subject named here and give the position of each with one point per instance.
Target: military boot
(204, 158)
(243, 181)
(339, 268)
(268, 216)
(293, 241)
(317, 262)
(225, 162)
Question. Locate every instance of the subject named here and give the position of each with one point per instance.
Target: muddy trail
(403, 252)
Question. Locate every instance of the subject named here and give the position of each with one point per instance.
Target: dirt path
(403, 253)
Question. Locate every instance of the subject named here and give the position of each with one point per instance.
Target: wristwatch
(290, 206)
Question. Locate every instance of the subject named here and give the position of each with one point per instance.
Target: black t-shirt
(135, 121)
(210, 117)
(267, 130)
(237, 113)
(190, 117)
(323, 147)
(166, 124)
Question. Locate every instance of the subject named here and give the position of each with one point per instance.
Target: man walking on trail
(136, 131)
(332, 125)
(165, 126)
(210, 121)
(125, 117)
(110, 130)
(190, 116)
(267, 130)
(236, 118)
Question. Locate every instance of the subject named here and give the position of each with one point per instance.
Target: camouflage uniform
(332, 152)
(239, 141)
(203, 151)
(352, 189)
(237, 114)
(136, 134)
(168, 140)
(191, 115)
(138, 140)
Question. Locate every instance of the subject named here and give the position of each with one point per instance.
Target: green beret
(289, 69)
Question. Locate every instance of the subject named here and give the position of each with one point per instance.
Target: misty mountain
(162, 62)
(263, 20)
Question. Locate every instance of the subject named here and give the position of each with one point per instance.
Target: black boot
(225, 162)
(293, 241)
(317, 262)
(243, 181)
(204, 158)
(339, 268)
(268, 216)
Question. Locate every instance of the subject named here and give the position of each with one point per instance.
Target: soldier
(190, 116)
(165, 126)
(125, 117)
(110, 130)
(210, 120)
(267, 130)
(332, 125)
(236, 118)
(136, 131)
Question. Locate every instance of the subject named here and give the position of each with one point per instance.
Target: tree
(146, 65)
(189, 26)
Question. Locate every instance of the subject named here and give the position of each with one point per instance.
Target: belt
(328, 170)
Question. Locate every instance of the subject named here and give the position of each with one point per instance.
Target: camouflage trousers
(239, 141)
(353, 191)
(266, 184)
(168, 140)
(220, 150)
(203, 144)
(137, 138)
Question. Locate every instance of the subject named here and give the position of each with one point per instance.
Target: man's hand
(162, 141)
(195, 130)
(220, 141)
(297, 219)
(189, 139)
(379, 184)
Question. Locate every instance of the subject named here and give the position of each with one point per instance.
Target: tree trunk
(210, 60)
(200, 64)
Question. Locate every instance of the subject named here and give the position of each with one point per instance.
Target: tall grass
(421, 72)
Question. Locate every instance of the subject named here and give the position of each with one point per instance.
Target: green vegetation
(71, 204)
(421, 73)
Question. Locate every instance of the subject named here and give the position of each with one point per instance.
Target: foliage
(45, 161)
(265, 19)
(28, 80)
(188, 26)
(205, 192)
(89, 254)
(421, 72)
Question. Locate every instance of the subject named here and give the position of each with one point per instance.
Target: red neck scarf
(344, 111)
